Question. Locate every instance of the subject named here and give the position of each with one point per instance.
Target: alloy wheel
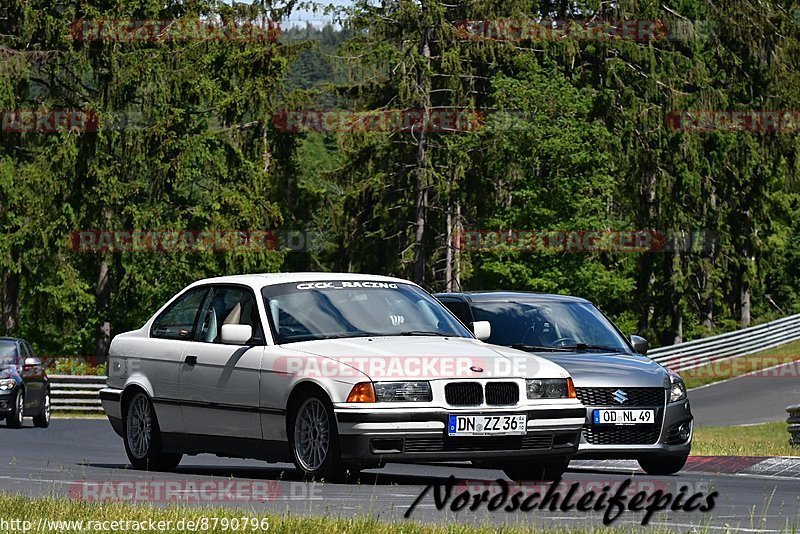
(139, 426)
(312, 435)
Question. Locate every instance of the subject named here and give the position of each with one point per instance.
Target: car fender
(138, 379)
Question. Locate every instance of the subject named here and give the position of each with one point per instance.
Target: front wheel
(14, 419)
(142, 437)
(662, 465)
(546, 469)
(42, 420)
(314, 440)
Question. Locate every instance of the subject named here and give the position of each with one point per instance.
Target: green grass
(769, 439)
(708, 374)
(24, 508)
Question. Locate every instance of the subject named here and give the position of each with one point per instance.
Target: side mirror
(482, 330)
(32, 362)
(236, 334)
(639, 344)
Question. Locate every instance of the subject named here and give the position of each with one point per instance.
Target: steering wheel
(562, 341)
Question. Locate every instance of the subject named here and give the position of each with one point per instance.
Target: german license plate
(487, 425)
(623, 417)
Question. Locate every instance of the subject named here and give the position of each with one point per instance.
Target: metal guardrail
(700, 352)
(76, 393)
(794, 424)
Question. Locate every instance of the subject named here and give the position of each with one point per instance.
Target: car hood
(593, 369)
(430, 358)
(7, 372)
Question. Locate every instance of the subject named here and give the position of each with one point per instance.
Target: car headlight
(403, 392)
(7, 383)
(677, 389)
(550, 388)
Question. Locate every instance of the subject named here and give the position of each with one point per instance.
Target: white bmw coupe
(334, 372)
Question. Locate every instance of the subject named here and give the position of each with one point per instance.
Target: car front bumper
(373, 437)
(7, 399)
(663, 441)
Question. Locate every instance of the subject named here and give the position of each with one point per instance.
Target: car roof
(510, 296)
(14, 339)
(257, 281)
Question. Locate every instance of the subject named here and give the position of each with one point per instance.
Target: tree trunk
(457, 252)
(745, 269)
(421, 204)
(10, 302)
(709, 266)
(448, 254)
(643, 284)
(103, 296)
(744, 318)
(674, 294)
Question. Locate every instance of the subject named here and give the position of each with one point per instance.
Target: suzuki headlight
(7, 383)
(677, 389)
(403, 392)
(550, 388)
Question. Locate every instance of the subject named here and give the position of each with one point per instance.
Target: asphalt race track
(768, 395)
(48, 462)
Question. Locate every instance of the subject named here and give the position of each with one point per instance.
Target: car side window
(459, 309)
(227, 305)
(177, 321)
(22, 353)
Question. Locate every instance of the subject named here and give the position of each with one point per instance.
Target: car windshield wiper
(541, 348)
(317, 337)
(586, 346)
(344, 335)
(421, 333)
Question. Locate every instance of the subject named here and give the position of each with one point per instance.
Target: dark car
(24, 387)
(635, 408)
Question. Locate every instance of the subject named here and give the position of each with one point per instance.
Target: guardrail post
(794, 424)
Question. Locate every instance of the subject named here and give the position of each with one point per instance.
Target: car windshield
(306, 311)
(561, 325)
(8, 352)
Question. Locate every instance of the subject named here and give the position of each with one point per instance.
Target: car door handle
(191, 360)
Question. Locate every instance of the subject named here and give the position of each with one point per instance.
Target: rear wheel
(43, 419)
(545, 469)
(14, 419)
(662, 465)
(314, 440)
(142, 437)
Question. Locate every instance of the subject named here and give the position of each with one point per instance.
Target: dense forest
(463, 145)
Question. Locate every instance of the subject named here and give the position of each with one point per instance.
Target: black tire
(42, 420)
(316, 407)
(14, 419)
(545, 469)
(662, 465)
(142, 436)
